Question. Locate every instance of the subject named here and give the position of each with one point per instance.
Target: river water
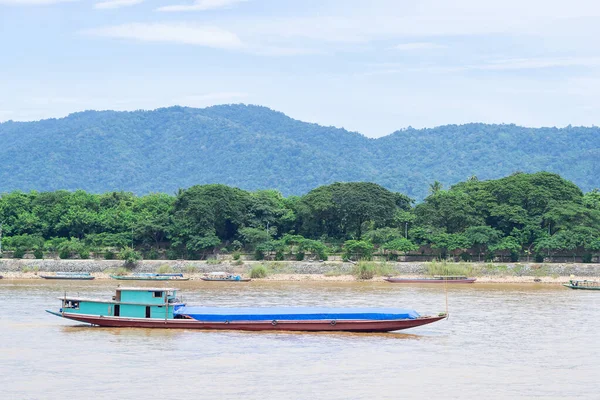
(501, 342)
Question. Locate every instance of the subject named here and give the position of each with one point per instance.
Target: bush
(279, 256)
(64, 253)
(300, 256)
(172, 254)
(165, 269)
(587, 258)
(392, 257)
(465, 256)
(258, 271)
(514, 256)
(190, 269)
(130, 256)
(238, 262)
(152, 254)
(213, 261)
(538, 258)
(19, 252)
(38, 253)
(364, 271)
(84, 254)
(237, 255)
(259, 255)
(109, 255)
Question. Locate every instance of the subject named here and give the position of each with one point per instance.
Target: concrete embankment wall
(294, 267)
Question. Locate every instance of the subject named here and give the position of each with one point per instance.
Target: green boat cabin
(127, 302)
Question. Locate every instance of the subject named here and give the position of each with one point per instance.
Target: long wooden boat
(583, 285)
(80, 276)
(435, 279)
(150, 277)
(160, 308)
(223, 277)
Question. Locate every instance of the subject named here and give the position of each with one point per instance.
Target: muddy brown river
(530, 341)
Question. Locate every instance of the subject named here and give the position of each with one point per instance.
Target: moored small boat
(583, 285)
(150, 277)
(223, 277)
(160, 308)
(81, 276)
(435, 279)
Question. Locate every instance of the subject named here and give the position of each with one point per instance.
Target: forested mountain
(254, 147)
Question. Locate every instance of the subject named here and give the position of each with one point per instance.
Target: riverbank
(307, 271)
(325, 278)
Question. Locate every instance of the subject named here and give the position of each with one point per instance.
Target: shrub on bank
(165, 269)
(258, 271)
(364, 271)
(84, 254)
(38, 253)
(259, 255)
(19, 252)
(130, 256)
(152, 254)
(190, 269)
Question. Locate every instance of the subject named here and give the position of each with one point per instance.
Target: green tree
(452, 211)
(482, 237)
(358, 250)
(342, 209)
(402, 245)
(435, 187)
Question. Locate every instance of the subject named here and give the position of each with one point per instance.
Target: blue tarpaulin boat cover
(222, 314)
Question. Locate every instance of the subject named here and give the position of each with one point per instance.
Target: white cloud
(418, 46)
(184, 33)
(33, 2)
(538, 63)
(514, 64)
(200, 5)
(109, 4)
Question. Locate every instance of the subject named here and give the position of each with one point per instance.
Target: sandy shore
(327, 278)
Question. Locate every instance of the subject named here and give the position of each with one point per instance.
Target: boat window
(72, 304)
(158, 294)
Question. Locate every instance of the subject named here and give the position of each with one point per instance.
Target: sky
(372, 66)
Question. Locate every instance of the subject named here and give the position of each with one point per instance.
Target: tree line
(522, 215)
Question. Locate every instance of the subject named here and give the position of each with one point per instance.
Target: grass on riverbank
(437, 268)
(116, 271)
(368, 270)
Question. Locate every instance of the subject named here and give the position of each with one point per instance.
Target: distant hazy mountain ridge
(254, 147)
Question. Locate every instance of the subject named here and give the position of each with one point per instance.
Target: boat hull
(71, 278)
(225, 280)
(142, 278)
(426, 280)
(303, 326)
(581, 287)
